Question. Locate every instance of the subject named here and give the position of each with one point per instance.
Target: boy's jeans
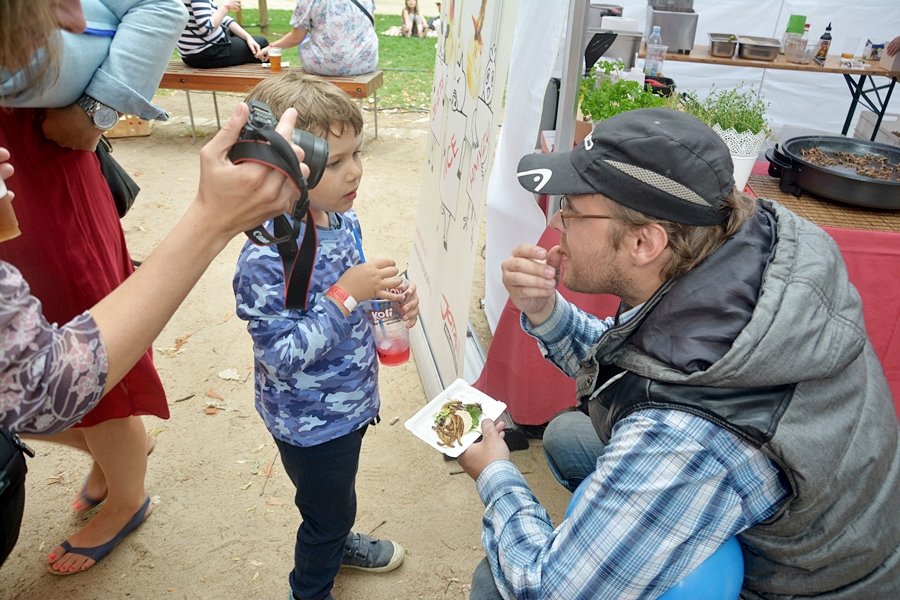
(325, 478)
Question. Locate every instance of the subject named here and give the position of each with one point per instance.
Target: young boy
(316, 369)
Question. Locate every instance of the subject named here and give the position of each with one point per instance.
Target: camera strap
(297, 261)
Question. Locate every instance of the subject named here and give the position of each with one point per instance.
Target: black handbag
(123, 187)
(12, 489)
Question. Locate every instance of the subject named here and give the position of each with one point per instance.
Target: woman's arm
(293, 38)
(240, 32)
(70, 372)
(230, 200)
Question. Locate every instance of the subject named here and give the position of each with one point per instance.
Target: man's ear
(648, 243)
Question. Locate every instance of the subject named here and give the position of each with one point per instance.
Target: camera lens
(315, 154)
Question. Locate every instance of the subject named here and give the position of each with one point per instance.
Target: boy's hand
(409, 305)
(372, 279)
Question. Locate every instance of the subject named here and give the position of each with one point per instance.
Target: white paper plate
(422, 422)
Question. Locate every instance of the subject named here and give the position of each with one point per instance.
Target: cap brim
(551, 174)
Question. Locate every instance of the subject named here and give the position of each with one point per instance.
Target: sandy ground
(224, 522)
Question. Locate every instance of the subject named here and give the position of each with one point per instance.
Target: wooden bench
(243, 78)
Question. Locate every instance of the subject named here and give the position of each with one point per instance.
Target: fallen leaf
(213, 394)
(273, 501)
(246, 485)
(169, 352)
(181, 341)
(255, 577)
(182, 399)
(394, 420)
(261, 446)
(210, 410)
(227, 316)
(229, 375)
(156, 431)
(256, 563)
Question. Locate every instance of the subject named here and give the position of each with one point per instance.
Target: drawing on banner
(460, 148)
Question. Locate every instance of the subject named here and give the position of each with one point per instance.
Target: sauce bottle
(824, 44)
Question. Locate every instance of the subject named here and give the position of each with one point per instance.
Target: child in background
(413, 22)
(316, 369)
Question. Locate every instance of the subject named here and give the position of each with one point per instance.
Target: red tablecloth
(534, 390)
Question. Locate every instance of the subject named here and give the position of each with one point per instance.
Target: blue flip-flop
(88, 502)
(96, 553)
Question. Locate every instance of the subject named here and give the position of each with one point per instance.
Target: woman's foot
(93, 490)
(83, 549)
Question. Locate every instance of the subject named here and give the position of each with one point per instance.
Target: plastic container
(655, 37)
(758, 48)
(722, 45)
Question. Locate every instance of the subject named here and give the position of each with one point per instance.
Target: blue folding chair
(719, 577)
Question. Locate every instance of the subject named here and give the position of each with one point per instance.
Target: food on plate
(454, 420)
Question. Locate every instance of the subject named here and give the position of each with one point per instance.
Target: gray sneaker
(372, 555)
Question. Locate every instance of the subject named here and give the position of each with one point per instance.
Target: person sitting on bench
(211, 39)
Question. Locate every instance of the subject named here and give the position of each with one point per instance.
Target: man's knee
(483, 586)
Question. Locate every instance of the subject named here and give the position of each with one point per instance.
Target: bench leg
(375, 97)
(216, 105)
(187, 94)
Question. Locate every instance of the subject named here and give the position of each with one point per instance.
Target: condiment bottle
(824, 44)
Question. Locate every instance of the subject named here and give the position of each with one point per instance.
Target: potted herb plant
(738, 115)
(605, 93)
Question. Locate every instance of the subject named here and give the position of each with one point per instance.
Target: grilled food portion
(454, 420)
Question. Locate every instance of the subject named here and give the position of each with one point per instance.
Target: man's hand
(894, 46)
(491, 448)
(71, 127)
(530, 275)
(236, 198)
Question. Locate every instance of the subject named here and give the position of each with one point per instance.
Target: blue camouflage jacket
(316, 373)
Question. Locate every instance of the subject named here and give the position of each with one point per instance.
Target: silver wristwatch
(103, 116)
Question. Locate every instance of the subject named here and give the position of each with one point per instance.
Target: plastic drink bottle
(656, 53)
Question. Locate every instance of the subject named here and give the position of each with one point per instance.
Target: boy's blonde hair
(322, 107)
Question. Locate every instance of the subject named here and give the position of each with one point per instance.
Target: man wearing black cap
(735, 393)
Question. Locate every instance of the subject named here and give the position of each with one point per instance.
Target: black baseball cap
(661, 162)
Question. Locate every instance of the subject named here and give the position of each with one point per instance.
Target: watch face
(105, 117)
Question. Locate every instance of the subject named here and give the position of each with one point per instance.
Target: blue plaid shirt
(669, 489)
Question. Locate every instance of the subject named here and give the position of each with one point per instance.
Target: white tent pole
(568, 89)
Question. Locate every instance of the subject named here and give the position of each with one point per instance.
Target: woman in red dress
(72, 252)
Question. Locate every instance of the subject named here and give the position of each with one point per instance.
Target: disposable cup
(275, 59)
(389, 330)
(9, 225)
(850, 46)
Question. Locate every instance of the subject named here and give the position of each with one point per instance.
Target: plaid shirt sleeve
(569, 333)
(669, 489)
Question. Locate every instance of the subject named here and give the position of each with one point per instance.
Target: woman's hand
(253, 45)
(232, 4)
(71, 127)
(236, 198)
(263, 53)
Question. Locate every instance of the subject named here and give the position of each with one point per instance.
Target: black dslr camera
(315, 148)
(259, 142)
